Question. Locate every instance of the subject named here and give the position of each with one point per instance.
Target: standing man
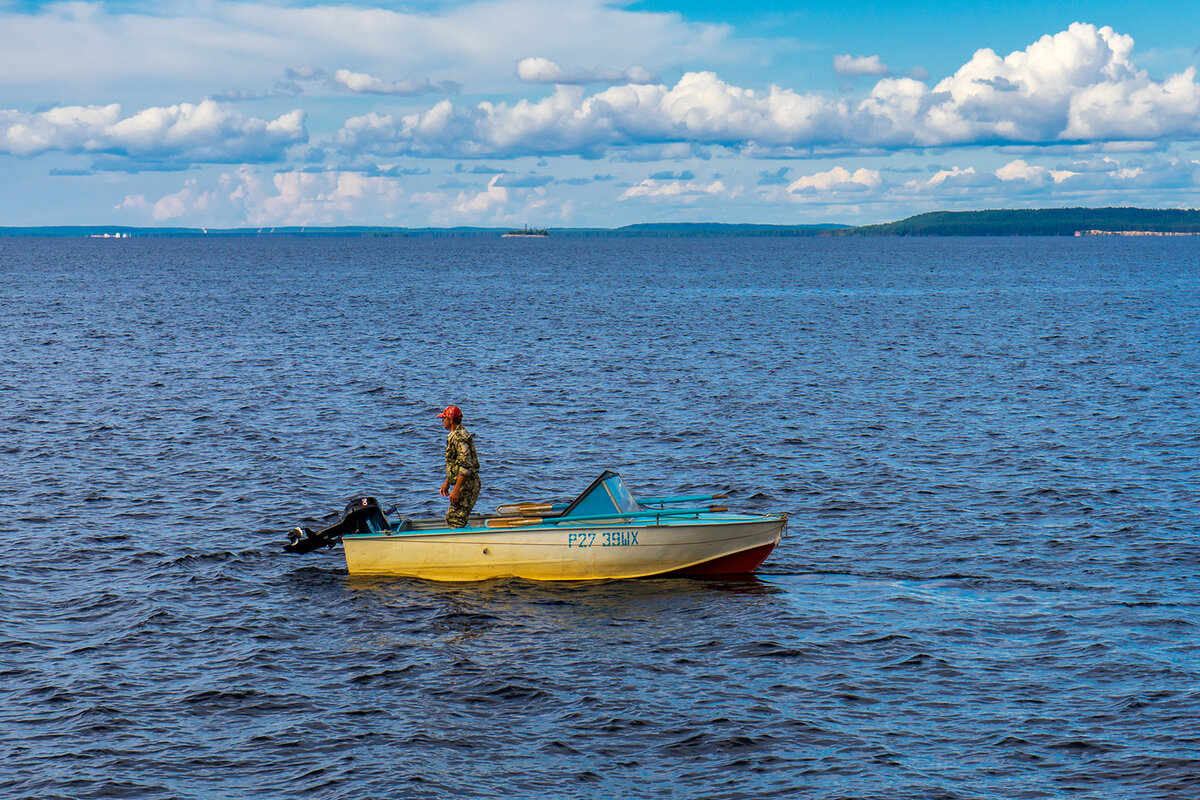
(462, 468)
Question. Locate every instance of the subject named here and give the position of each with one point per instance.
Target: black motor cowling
(362, 515)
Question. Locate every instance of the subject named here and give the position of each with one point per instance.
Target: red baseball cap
(453, 412)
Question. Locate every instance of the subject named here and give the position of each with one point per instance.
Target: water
(987, 448)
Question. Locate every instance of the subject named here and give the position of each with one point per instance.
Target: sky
(500, 113)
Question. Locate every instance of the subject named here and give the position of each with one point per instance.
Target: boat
(539, 233)
(604, 533)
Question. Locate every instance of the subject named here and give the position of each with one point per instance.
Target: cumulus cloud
(124, 50)
(1021, 170)
(956, 176)
(187, 200)
(674, 189)
(507, 198)
(1097, 180)
(1077, 84)
(1106, 174)
(479, 203)
(207, 132)
(699, 109)
(838, 179)
(258, 196)
(363, 83)
(542, 70)
(310, 198)
(850, 67)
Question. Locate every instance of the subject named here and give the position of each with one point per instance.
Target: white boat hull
(712, 544)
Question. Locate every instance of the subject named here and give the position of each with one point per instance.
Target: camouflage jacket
(460, 455)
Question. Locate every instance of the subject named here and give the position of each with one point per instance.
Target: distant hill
(1036, 222)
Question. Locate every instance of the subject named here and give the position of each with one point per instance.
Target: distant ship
(526, 231)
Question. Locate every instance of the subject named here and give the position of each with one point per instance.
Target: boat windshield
(606, 494)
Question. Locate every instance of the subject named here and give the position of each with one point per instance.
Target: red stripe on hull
(741, 563)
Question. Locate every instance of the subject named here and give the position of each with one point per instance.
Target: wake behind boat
(603, 533)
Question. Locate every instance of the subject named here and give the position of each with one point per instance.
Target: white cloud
(1153, 173)
(311, 198)
(952, 175)
(542, 70)
(79, 50)
(207, 132)
(838, 179)
(676, 189)
(1098, 181)
(1103, 174)
(1137, 108)
(473, 205)
(849, 66)
(700, 108)
(1020, 170)
(1055, 107)
(363, 83)
(1076, 84)
(172, 206)
(495, 204)
(953, 178)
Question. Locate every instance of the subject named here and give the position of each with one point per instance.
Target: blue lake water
(988, 449)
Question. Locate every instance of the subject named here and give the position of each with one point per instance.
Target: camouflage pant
(456, 517)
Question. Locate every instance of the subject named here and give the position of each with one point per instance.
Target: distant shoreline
(1137, 233)
(999, 222)
(359, 231)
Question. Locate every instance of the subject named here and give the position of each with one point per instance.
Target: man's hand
(445, 490)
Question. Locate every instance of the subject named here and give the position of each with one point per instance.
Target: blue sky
(591, 113)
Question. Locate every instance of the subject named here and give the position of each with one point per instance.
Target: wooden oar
(529, 507)
(674, 512)
(513, 522)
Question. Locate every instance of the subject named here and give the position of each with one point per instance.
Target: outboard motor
(362, 515)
